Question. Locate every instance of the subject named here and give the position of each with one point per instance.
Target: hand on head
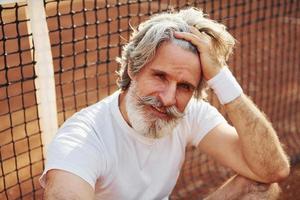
(210, 64)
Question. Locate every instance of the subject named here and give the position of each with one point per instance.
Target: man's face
(161, 90)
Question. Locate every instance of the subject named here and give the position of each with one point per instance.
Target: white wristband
(225, 86)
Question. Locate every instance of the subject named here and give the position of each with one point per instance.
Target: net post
(45, 81)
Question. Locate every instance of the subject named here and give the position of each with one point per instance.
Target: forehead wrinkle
(180, 78)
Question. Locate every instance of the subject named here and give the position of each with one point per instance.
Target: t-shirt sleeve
(203, 117)
(76, 149)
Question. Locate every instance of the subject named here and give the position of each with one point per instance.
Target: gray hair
(144, 41)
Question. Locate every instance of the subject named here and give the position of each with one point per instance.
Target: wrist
(212, 73)
(225, 86)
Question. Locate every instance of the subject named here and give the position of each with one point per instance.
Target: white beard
(144, 122)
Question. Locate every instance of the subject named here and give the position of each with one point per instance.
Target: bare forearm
(239, 187)
(260, 145)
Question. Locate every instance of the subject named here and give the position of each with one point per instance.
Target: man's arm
(259, 143)
(239, 187)
(252, 149)
(62, 185)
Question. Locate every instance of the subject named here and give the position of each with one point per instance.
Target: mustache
(171, 111)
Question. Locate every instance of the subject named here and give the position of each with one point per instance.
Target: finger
(200, 34)
(199, 42)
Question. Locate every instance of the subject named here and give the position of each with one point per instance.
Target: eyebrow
(181, 82)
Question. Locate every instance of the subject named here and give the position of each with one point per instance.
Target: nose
(168, 95)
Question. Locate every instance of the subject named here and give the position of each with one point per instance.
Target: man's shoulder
(101, 106)
(197, 105)
(104, 104)
(200, 109)
(95, 113)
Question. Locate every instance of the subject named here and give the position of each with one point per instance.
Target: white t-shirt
(99, 146)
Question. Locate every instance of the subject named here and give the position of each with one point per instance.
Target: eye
(184, 86)
(160, 76)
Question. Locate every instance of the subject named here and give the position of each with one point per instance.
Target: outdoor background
(86, 36)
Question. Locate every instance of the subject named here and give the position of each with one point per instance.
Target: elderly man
(131, 145)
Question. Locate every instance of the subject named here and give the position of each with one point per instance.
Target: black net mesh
(86, 37)
(20, 139)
